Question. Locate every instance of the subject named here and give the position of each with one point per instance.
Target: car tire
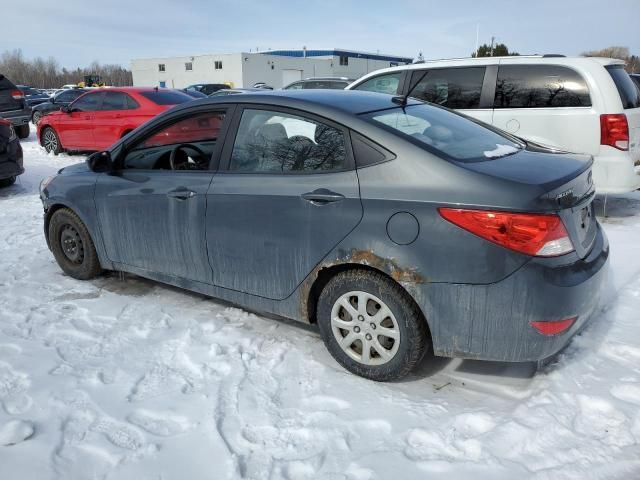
(72, 245)
(377, 305)
(7, 182)
(36, 117)
(50, 141)
(22, 131)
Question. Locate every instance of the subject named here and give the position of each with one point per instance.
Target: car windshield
(167, 97)
(446, 133)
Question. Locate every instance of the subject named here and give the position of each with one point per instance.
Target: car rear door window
(449, 87)
(387, 83)
(114, 101)
(277, 142)
(540, 86)
(88, 103)
(629, 92)
(167, 97)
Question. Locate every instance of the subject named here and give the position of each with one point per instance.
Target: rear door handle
(322, 196)
(181, 194)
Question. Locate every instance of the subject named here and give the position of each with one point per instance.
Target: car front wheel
(7, 182)
(371, 325)
(72, 246)
(50, 141)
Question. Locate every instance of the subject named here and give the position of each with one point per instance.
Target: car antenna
(402, 99)
(155, 89)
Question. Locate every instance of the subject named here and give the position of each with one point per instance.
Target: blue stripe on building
(337, 53)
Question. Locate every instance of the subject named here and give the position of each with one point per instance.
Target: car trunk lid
(564, 182)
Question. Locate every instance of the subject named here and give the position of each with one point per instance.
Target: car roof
(353, 102)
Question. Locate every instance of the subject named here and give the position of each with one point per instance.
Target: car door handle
(322, 196)
(181, 194)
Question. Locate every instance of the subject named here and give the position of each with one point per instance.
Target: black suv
(13, 107)
(59, 100)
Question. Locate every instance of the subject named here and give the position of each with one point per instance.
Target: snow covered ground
(123, 378)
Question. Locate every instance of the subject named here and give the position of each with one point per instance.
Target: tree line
(632, 62)
(47, 73)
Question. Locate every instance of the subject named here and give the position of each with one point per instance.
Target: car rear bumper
(11, 161)
(493, 322)
(17, 117)
(615, 173)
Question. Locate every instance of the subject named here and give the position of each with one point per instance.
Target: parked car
(262, 86)
(13, 107)
(10, 154)
(337, 83)
(194, 93)
(396, 227)
(33, 96)
(97, 119)
(585, 105)
(61, 99)
(636, 79)
(235, 91)
(69, 85)
(207, 88)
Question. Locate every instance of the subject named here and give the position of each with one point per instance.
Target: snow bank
(125, 378)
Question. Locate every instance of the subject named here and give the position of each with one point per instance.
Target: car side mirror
(100, 162)
(65, 109)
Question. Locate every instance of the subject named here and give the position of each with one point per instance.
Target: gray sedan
(395, 225)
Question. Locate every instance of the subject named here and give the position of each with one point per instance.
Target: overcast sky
(114, 31)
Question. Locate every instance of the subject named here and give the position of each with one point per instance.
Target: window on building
(218, 64)
(531, 86)
(449, 87)
(278, 142)
(188, 66)
(161, 67)
(344, 60)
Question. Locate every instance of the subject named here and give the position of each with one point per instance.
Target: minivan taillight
(17, 94)
(541, 235)
(614, 130)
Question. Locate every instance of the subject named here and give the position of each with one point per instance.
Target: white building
(276, 68)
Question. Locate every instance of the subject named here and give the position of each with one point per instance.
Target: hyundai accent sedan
(396, 226)
(99, 118)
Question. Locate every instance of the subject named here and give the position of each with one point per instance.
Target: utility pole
(477, 38)
(492, 40)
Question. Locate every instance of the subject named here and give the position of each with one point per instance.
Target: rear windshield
(629, 93)
(168, 97)
(445, 133)
(5, 83)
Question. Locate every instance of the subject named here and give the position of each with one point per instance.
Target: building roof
(338, 53)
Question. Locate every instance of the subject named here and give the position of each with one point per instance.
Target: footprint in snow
(15, 431)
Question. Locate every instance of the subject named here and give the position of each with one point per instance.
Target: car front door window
(88, 103)
(187, 144)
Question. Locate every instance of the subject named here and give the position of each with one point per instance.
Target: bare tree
(622, 53)
(42, 73)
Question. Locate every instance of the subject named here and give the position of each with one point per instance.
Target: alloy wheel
(50, 141)
(365, 328)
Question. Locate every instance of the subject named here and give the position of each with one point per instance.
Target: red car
(97, 119)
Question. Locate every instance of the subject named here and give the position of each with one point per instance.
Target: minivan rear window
(446, 133)
(629, 93)
(167, 97)
(540, 86)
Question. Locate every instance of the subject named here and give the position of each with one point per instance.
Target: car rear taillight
(17, 94)
(541, 235)
(554, 327)
(614, 130)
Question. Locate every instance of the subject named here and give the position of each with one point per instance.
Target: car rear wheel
(371, 326)
(7, 182)
(72, 246)
(51, 141)
(22, 131)
(36, 117)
